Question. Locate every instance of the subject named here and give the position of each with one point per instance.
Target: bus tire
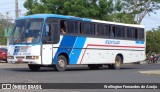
(34, 67)
(117, 64)
(61, 63)
(93, 67)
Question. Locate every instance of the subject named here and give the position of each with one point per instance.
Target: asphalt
(149, 72)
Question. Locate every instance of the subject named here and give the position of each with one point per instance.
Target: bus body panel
(72, 46)
(47, 54)
(87, 50)
(21, 52)
(107, 49)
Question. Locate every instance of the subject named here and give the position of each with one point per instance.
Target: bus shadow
(45, 69)
(28, 70)
(75, 69)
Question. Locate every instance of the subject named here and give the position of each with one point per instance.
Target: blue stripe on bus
(87, 20)
(139, 42)
(66, 43)
(16, 50)
(74, 55)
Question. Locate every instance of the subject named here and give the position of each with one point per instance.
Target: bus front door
(47, 47)
(51, 36)
(47, 54)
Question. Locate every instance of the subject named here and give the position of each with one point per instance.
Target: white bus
(58, 40)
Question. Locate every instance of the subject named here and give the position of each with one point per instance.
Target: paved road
(19, 73)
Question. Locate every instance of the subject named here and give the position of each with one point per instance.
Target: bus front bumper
(16, 59)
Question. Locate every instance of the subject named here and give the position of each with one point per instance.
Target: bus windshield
(27, 31)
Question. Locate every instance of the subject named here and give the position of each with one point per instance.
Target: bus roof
(77, 18)
(54, 16)
(116, 23)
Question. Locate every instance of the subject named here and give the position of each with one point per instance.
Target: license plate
(19, 60)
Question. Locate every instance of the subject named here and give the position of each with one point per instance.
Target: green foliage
(125, 11)
(138, 9)
(153, 41)
(95, 9)
(122, 17)
(3, 41)
(4, 22)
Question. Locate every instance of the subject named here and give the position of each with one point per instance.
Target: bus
(58, 41)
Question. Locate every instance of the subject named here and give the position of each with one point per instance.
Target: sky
(8, 6)
(151, 21)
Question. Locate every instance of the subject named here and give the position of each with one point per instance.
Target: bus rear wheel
(117, 64)
(34, 67)
(61, 63)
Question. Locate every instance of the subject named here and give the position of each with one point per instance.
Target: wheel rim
(118, 63)
(61, 63)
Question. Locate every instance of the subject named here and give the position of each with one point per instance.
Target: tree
(125, 11)
(4, 22)
(133, 11)
(152, 40)
(96, 9)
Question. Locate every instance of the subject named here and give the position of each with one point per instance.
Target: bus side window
(72, 27)
(118, 31)
(63, 26)
(89, 29)
(123, 32)
(141, 34)
(136, 33)
(55, 33)
(111, 31)
(51, 34)
(106, 30)
(81, 28)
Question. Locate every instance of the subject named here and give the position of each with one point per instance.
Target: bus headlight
(32, 57)
(10, 57)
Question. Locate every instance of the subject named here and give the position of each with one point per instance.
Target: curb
(150, 72)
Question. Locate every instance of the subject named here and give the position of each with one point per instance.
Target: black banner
(79, 86)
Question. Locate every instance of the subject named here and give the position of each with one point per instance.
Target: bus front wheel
(61, 63)
(34, 67)
(117, 64)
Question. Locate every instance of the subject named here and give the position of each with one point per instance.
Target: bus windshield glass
(27, 31)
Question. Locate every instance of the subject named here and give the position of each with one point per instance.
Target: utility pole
(16, 9)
